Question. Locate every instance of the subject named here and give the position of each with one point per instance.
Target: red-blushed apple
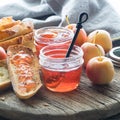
(3, 54)
(100, 70)
(91, 50)
(82, 35)
(101, 37)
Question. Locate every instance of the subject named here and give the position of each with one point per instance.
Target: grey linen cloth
(52, 13)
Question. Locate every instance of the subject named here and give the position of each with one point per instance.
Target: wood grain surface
(87, 102)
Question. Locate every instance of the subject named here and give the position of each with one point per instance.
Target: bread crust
(34, 66)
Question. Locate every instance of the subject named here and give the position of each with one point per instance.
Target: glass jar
(61, 74)
(51, 35)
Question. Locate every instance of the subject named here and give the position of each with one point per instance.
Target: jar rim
(79, 54)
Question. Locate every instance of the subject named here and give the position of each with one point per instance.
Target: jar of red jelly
(61, 74)
(52, 35)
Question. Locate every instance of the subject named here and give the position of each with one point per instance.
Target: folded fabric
(52, 13)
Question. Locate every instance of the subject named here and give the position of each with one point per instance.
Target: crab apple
(91, 50)
(100, 70)
(82, 35)
(102, 38)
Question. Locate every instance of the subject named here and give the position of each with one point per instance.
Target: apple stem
(100, 58)
(67, 20)
(95, 37)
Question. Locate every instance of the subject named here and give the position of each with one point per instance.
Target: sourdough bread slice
(26, 40)
(7, 22)
(4, 76)
(13, 41)
(21, 28)
(23, 67)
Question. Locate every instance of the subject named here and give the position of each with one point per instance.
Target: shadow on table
(1, 118)
(115, 117)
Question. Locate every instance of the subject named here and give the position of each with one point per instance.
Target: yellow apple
(101, 37)
(100, 70)
(91, 50)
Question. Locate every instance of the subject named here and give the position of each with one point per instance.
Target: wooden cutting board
(87, 102)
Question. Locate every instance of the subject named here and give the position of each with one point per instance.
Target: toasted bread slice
(26, 40)
(21, 28)
(7, 22)
(4, 76)
(17, 40)
(23, 69)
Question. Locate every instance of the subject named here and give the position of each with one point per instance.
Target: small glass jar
(61, 74)
(51, 35)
